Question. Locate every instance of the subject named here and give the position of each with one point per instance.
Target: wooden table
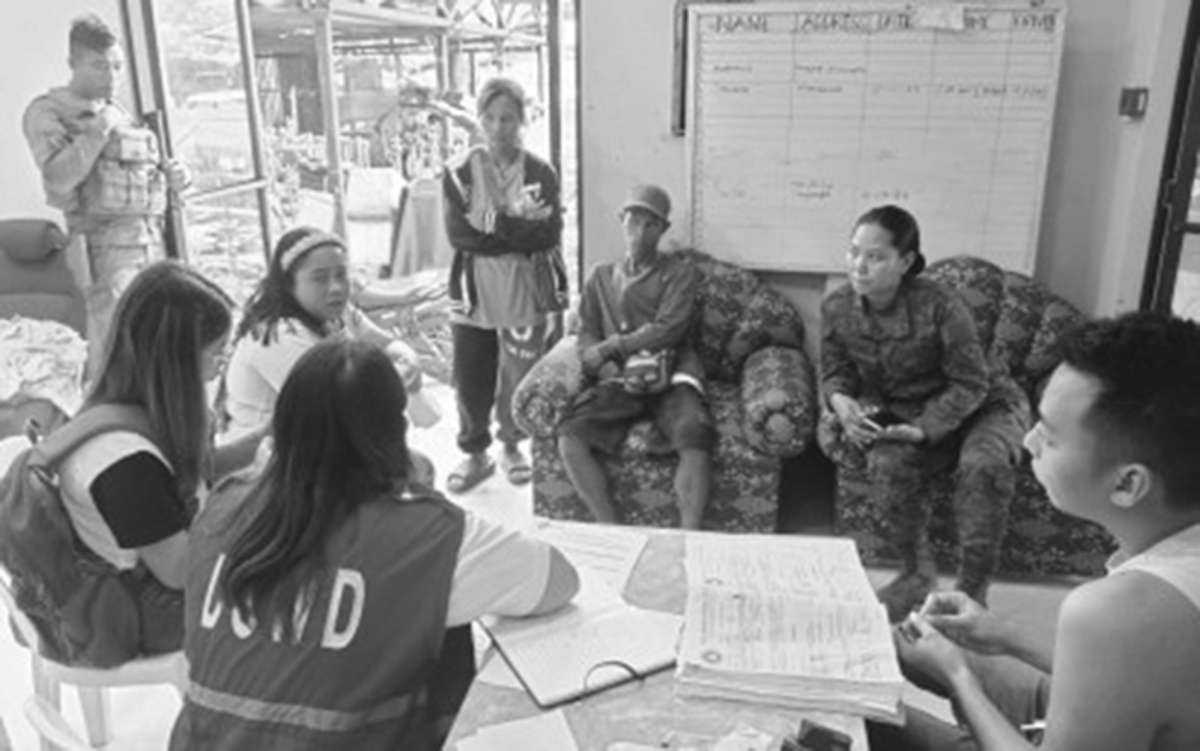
(647, 712)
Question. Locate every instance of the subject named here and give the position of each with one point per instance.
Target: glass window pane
(1194, 209)
(1185, 300)
(224, 242)
(209, 126)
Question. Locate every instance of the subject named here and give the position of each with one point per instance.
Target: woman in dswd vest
(504, 218)
(130, 499)
(319, 594)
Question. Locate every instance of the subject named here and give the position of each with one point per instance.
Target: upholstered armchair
(761, 391)
(41, 319)
(1018, 321)
(35, 280)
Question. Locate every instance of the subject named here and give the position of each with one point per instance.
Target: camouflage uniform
(67, 139)
(923, 361)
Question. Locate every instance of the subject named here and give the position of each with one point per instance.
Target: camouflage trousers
(984, 454)
(109, 257)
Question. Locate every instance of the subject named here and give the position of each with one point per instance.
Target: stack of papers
(786, 621)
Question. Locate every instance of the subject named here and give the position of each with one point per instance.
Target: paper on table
(813, 568)
(545, 731)
(608, 550)
(786, 621)
(595, 642)
(495, 672)
(780, 634)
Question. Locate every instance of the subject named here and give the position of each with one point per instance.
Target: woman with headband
(504, 219)
(304, 298)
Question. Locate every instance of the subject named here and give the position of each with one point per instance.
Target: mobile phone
(884, 418)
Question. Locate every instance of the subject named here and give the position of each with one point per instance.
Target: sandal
(472, 471)
(516, 466)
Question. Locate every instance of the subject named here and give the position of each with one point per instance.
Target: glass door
(201, 75)
(1173, 274)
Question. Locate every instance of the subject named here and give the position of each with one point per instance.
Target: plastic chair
(43, 708)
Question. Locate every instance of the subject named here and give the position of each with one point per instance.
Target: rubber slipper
(470, 473)
(516, 466)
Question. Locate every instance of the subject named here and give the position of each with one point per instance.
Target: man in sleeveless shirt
(1116, 443)
(67, 129)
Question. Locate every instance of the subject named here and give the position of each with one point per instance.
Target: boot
(917, 578)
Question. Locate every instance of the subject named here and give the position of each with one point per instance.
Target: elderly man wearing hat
(636, 317)
(907, 388)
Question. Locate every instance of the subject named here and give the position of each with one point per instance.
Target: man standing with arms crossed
(103, 171)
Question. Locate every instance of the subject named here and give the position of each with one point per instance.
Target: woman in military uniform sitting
(903, 371)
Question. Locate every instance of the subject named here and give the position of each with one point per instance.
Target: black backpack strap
(102, 418)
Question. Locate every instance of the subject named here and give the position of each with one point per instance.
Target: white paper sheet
(545, 731)
(495, 672)
(608, 550)
(804, 567)
(786, 636)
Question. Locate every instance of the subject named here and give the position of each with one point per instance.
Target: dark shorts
(601, 416)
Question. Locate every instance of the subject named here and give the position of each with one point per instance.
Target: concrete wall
(1103, 173)
(33, 56)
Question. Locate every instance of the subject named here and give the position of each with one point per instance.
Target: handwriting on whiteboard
(804, 118)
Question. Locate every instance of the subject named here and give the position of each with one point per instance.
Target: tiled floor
(142, 717)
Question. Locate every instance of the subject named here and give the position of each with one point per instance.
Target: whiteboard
(804, 115)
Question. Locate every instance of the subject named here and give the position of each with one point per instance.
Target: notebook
(597, 642)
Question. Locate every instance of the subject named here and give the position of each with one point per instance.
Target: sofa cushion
(980, 284)
(738, 315)
(30, 240)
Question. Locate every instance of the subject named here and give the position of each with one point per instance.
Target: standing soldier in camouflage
(906, 380)
(103, 171)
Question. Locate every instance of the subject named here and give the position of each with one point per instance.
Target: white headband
(292, 254)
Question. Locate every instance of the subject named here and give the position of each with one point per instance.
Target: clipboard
(595, 643)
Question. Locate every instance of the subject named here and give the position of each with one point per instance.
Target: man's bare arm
(1114, 672)
(990, 727)
(975, 627)
(1125, 647)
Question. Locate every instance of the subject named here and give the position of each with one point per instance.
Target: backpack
(85, 610)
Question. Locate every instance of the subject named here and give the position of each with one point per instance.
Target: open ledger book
(596, 642)
(786, 621)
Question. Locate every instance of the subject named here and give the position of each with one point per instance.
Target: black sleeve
(512, 234)
(462, 236)
(137, 498)
(530, 235)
